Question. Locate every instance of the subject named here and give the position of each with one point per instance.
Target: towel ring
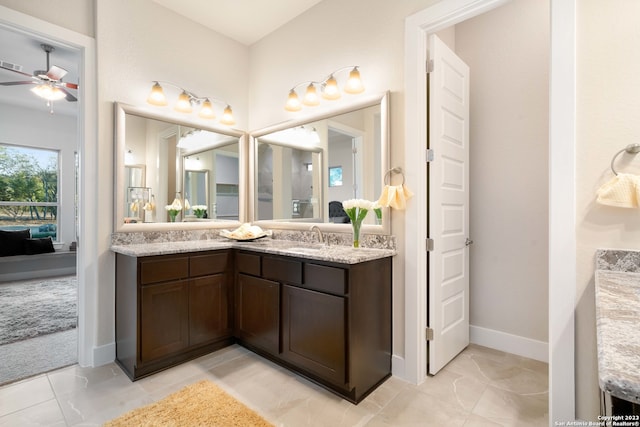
(398, 170)
(631, 149)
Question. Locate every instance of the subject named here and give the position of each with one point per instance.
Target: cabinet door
(314, 332)
(258, 312)
(164, 319)
(208, 309)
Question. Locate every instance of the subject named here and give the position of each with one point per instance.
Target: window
(29, 190)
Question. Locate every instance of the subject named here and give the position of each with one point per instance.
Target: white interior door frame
(87, 151)
(562, 237)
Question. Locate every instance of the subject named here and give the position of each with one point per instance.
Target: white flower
(199, 208)
(357, 203)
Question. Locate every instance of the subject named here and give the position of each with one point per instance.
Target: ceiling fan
(49, 84)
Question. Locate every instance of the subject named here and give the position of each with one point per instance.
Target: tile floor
(481, 387)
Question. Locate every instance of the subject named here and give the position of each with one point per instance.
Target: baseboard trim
(104, 354)
(521, 346)
(398, 368)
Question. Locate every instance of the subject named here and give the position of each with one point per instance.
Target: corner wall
(608, 107)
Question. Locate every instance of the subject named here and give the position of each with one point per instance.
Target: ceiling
(246, 21)
(222, 16)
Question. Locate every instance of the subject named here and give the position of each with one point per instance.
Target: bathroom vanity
(323, 312)
(617, 285)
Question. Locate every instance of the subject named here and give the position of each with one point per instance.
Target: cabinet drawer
(207, 264)
(325, 279)
(162, 269)
(248, 263)
(282, 269)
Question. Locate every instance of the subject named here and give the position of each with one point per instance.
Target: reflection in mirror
(174, 171)
(297, 171)
(303, 171)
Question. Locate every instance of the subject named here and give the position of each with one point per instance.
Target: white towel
(623, 191)
(395, 196)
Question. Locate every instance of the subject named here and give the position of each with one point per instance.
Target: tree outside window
(29, 190)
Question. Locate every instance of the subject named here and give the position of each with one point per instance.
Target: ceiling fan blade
(68, 85)
(55, 73)
(69, 97)
(16, 71)
(17, 83)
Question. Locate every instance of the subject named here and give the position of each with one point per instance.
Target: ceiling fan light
(311, 98)
(227, 117)
(354, 83)
(330, 89)
(183, 105)
(206, 112)
(293, 102)
(48, 92)
(156, 96)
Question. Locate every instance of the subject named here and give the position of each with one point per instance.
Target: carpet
(200, 404)
(30, 308)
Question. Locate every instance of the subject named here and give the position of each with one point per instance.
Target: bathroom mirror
(302, 170)
(165, 163)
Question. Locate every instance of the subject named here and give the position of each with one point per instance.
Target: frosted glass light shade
(183, 105)
(354, 83)
(48, 92)
(227, 116)
(293, 102)
(156, 96)
(311, 98)
(206, 112)
(330, 89)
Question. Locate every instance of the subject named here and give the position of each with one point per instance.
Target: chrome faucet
(317, 230)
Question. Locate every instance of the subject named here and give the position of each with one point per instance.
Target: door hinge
(429, 243)
(430, 155)
(429, 334)
(429, 66)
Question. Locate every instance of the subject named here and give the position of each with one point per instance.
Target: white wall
(608, 105)
(368, 33)
(507, 50)
(137, 42)
(76, 15)
(40, 129)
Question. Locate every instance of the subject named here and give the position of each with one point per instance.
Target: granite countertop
(618, 323)
(333, 253)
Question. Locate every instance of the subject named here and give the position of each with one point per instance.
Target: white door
(448, 221)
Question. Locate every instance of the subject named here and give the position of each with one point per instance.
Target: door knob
(468, 242)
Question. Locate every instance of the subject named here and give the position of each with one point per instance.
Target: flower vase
(172, 217)
(356, 235)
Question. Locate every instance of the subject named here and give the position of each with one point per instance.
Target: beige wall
(327, 37)
(76, 15)
(608, 108)
(507, 50)
(137, 42)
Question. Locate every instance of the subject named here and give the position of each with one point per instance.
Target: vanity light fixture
(187, 100)
(328, 87)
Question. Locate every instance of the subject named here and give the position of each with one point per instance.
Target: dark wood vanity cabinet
(171, 308)
(335, 319)
(330, 322)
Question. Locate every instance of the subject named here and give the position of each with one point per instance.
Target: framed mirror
(301, 171)
(176, 174)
